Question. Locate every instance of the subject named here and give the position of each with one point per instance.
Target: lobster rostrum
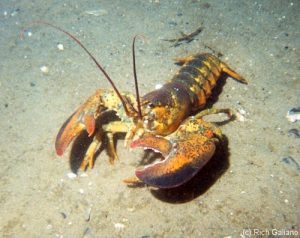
(168, 120)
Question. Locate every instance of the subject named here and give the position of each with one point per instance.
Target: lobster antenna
(135, 80)
(90, 55)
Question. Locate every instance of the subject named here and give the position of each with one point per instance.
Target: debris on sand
(119, 226)
(293, 114)
(291, 162)
(97, 13)
(44, 69)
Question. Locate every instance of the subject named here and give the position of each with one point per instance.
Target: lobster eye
(150, 105)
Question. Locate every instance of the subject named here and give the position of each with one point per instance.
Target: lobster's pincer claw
(72, 128)
(84, 118)
(155, 143)
(184, 157)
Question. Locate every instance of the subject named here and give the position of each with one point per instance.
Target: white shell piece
(158, 86)
(71, 175)
(44, 69)
(60, 46)
(119, 226)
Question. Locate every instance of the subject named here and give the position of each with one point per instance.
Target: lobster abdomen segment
(200, 73)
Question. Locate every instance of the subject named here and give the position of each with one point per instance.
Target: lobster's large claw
(184, 157)
(84, 118)
(73, 126)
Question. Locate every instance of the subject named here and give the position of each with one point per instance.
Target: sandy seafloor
(253, 187)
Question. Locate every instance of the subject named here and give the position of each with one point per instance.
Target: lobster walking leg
(88, 160)
(111, 129)
(209, 111)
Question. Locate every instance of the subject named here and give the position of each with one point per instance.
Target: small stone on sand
(44, 69)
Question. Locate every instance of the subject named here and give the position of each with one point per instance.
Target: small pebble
(71, 175)
(293, 114)
(86, 232)
(87, 216)
(44, 69)
(130, 209)
(98, 12)
(64, 216)
(83, 175)
(119, 226)
(240, 117)
(81, 191)
(49, 226)
(242, 111)
(60, 46)
(158, 86)
(294, 132)
(291, 162)
(15, 12)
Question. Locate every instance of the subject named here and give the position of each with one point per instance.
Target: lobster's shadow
(202, 181)
(79, 148)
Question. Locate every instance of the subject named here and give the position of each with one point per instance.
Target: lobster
(168, 120)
